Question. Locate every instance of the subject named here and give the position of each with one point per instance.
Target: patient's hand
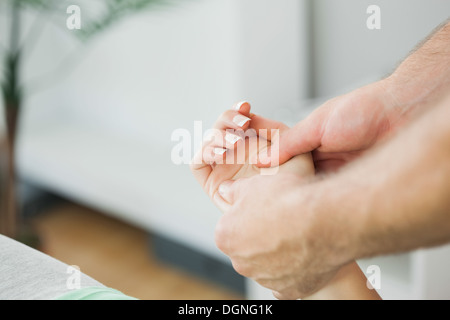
(231, 161)
(237, 140)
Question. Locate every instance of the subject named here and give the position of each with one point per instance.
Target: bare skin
(348, 126)
(211, 169)
(383, 187)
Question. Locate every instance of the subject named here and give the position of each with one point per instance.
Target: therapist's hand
(343, 128)
(272, 236)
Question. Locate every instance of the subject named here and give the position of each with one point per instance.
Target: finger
(207, 156)
(200, 169)
(204, 162)
(218, 143)
(230, 139)
(224, 139)
(232, 119)
(304, 137)
(214, 155)
(233, 138)
(270, 130)
(231, 189)
(220, 202)
(243, 108)
(266, 128)
(226, 190)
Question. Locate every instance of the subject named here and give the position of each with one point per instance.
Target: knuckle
(242, 268)
(226, 115)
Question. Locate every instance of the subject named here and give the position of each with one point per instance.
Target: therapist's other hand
(343, 128)
(271, 236)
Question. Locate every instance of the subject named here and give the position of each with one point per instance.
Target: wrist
(340, 206)
(327, 228)
(349, 283)
(422, 77)
(399, 100)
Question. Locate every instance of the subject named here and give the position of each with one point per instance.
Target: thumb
(226, 191)
(304, 137)
(230, 190)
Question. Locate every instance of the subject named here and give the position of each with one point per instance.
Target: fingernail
(240, 120)
(239, 105)
(219, 151)
(232, 138)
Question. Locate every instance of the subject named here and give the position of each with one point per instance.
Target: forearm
(422, 76)
(394, 199)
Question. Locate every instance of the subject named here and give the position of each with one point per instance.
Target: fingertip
(274, 156)
(213, 155)
(232, 139)
(219, 155)
(267, 159)
(241, 121)
(243, 107)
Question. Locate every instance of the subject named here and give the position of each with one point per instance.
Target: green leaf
(34, 3)
(11, 90)
(113, 12)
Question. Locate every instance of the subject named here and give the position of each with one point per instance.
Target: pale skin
(383, 186)
(211, 168)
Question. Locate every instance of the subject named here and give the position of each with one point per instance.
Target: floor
(117, 255)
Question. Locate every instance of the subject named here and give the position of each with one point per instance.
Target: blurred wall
(345, 53)
(99, 130)
(165, 68)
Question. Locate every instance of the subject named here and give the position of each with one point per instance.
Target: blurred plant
(13, 90)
